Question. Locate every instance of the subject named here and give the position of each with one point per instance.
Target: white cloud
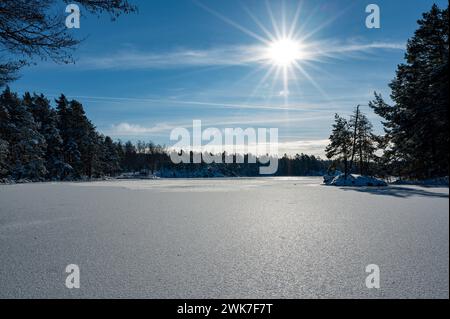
(310, 147)
(220, 56)
(225, 55)
(126, 129)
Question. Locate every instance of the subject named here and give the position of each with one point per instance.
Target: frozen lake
(223, 238)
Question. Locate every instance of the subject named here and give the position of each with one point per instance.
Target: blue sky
(180, 60)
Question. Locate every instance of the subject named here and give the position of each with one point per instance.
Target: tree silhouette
(417, 127)
(30, 29)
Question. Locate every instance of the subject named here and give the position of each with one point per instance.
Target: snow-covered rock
(328, 178)
(356, 180)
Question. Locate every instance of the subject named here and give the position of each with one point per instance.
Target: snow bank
(203, 172)
(136, 175)
(6, 181)
(16, 181)
(354, 180)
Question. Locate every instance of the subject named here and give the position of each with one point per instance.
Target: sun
(286, 48)
(284, 52)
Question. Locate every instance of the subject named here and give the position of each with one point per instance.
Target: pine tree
(71, 154)
(31, 29)
(26, 145)
(4, 152)
(416, 127)
(364, 141)
(120, 152)
(129, 157)
(4, 145)
(340, 142)
(110, 158)
(46, 119)
(79, 137)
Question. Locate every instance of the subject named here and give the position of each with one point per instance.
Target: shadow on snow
(397, 191)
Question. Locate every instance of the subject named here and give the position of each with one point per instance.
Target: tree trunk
(354, 139)
(360, 159)
(345, 167)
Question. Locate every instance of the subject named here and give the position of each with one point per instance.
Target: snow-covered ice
(241, 238)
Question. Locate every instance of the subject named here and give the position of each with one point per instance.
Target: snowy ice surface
(223, 238)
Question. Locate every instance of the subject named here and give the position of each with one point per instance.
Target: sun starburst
(286, 47)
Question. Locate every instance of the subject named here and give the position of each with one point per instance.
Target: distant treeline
(150, 158)
(40, 142)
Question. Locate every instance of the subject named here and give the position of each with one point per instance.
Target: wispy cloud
(132, 59)
(224, 55)
(127, 129)
(321, 105)
(310, 147)
(130, 129)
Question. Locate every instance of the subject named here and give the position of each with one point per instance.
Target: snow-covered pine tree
(4, 145)
(4, 151)
(71, 154)
(46, 119)
(110, 157)
(84, 135)
(26, 145)
(68, 127)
